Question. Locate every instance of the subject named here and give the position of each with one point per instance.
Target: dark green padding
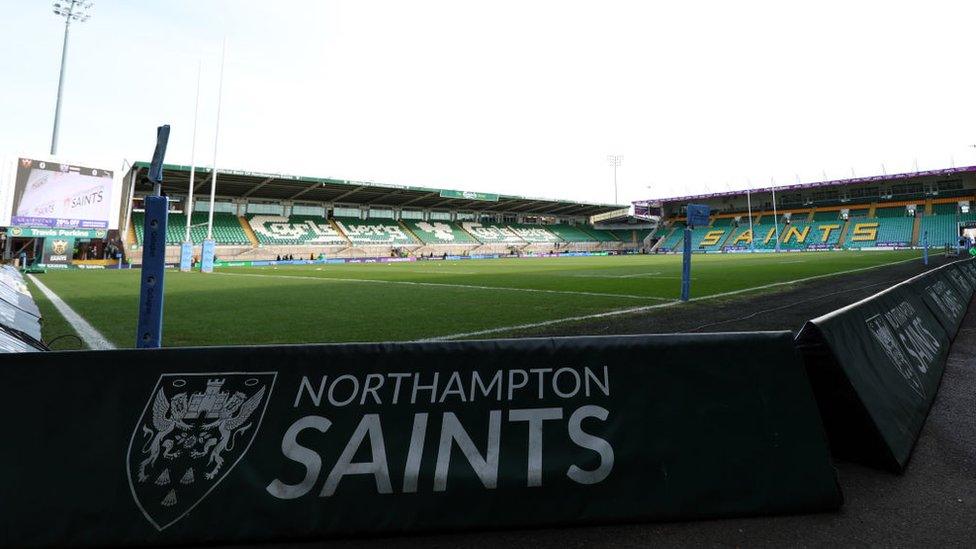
(876, 365)
(945, 293)
(635, 428)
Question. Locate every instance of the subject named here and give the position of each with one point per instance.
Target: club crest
(193, 431)
(59, 247)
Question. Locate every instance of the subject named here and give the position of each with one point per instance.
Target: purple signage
(869, 179)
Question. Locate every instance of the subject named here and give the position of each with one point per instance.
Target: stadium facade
(263, 216)
(880, 212)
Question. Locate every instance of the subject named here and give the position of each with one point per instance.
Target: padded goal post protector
(876, 365)
(233, 444)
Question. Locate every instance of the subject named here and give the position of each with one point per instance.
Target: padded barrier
(268, 443)
(17, 311)
(876, 365)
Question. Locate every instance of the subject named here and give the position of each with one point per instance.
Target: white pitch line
(445, 285)
(92, 337)
(638, 275)
(635, 310)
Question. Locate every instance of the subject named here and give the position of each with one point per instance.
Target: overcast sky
(522, 97)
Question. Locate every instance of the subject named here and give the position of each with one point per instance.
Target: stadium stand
(811, 235)
(880, 232)
(826, 216)
(709, 238)
(722, 222)
(641, 234)
(439, 232)
(570, 233)
(227, 229)
(627, 237)
(765, 238)
(536, 234)
(601, 235)
(373, 231)
(672, 241)
(490, 233)
(942, 229)
(948, 208)
(860, 212)
(889, 212)
(294, 230)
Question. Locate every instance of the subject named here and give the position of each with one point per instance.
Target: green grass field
(408, 301)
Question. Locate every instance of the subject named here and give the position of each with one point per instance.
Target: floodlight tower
(614, 160)
(71, 10)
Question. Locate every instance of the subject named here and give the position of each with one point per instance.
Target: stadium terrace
(262, 216)
(893, 211)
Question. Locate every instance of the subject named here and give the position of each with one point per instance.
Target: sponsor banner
(247, 444)
(876, 365)
(56, 233)
(468, 195)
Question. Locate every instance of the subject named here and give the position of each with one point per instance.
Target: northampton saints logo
(886, 337)
(193, 431)
(59, 247)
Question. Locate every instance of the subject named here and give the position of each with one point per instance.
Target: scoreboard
(49, 193)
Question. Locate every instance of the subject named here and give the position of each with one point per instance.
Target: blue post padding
(186, 256)
(925, 248)
(207, 256)
(149, 334)
(686, 267)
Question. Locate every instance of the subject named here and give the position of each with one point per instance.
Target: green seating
(722, 222)
(438, 232)
(810, 235)
(628, 236)
(643, 233)
(491, 233)
(826, 216)
(227, 229)
(600, 235)
(533, 233)
(949, 208)
(861, 212)
(941, 229)
(569, 233)
(765, 236)
(672, 241)
(709, 238)
(898, 211)
(372, 231)
(887, 232)
(294, 230)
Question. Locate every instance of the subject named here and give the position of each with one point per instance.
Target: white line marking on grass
(635, 310)
(437, 284)
(638, 275)
(92, 337)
